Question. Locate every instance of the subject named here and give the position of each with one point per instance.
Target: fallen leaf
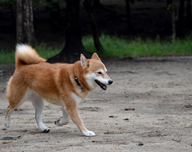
(11, 138)
(140, 144)
(7, 142)
(112, 132)
(188, 106)
(8, 138)
(129, 109)
(126, 119)
(96, 141)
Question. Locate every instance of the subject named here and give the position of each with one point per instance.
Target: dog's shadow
(54, 132)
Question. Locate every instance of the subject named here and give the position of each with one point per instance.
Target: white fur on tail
(25, 54)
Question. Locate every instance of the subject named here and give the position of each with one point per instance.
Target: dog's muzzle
(103, 86)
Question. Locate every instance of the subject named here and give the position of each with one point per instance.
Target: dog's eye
(99, 72)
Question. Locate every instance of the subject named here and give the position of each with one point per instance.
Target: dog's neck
(77, 70)
(82, 88)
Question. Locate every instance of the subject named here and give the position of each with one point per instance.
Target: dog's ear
(84, 61)
(95, 56)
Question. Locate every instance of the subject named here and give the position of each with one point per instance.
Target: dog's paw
(46, 130)
(88, 133)
(7, 124)
(59, 122)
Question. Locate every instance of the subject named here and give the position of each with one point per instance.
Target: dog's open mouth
(103, 86)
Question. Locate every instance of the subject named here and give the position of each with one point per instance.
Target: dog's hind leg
(15, 94)
(10, 109)
(64, 120)
(38, 104)
(8, 117)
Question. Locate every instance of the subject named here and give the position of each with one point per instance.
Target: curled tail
(25, 54)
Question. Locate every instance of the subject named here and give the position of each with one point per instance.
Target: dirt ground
(147, 108)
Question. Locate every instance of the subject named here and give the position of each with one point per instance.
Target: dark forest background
(124, 18)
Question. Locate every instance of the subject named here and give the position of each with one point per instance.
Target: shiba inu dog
(65, 85)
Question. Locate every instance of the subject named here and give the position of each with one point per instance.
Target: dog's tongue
(104, 87)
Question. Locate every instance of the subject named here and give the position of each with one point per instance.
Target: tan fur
(53, 82)
(27, 55)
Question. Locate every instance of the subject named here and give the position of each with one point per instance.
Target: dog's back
(32, 72)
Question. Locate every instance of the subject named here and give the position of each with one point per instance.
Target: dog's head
(95, 72)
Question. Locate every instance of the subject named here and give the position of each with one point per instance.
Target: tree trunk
(171, 5)
(189, 12)
(173, 23)
(89, 10)
(73, 42)
(180, 22)
(24, 22)
(129, 24)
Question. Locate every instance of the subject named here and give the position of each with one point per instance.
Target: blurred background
(113, 28)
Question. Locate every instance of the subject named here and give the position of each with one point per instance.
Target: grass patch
(118, 47)
(47, 52)
(7, 57)
(42, 49)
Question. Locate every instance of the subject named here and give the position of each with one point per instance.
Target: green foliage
(172, 6)
(7, 2)
(51, 4)
(36, 3)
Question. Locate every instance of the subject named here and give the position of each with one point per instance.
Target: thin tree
(129, 24)
(181, 15)
(73, 42)
(24, 22)
(189, 12)
(89, 9)
(171, 5)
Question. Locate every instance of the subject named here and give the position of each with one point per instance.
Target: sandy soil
(148, 108)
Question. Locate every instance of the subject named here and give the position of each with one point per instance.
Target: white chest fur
(76, 98)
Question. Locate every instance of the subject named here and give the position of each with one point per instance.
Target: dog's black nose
(110, 81)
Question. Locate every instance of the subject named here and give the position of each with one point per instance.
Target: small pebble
(140, 144)
(126, 119)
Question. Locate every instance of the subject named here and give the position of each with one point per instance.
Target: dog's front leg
(74, 115)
